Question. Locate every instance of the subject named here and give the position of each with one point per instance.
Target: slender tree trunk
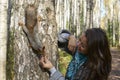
(87, 14)
(119, 23)
(3, 38)
(113, 22)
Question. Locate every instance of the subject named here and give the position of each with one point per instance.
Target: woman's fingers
(42, 61)
(72, 43)
(46, 59)
(71, 48)
(45, 63)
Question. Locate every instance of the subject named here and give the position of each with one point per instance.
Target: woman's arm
(67, 41)
(54, 74)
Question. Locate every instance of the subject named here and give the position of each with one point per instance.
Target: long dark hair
(98, 53)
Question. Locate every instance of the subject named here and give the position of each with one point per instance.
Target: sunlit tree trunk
(26, 64)
(84, 13)
(97, 13)
(87, 14)
(118, 38)
(3, 38)
(79, 17)
(113, 21)
(91, 4)
(118, 22)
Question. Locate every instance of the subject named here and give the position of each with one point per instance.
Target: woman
(91, 58)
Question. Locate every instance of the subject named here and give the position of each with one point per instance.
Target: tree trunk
(44, 34)
(97, 13)
(3, 38)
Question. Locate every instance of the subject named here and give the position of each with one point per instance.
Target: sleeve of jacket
(63, 40)
(57, 76)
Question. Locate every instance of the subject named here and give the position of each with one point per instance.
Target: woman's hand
(72, 43)
(45, 63)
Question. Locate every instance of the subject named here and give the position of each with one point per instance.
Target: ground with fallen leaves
(115, 73)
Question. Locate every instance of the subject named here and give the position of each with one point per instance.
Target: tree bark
(3, 38)
(26, 64)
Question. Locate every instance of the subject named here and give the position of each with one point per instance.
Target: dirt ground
(115, 73)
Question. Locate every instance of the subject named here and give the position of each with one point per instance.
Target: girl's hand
(72, 43)
(45, 63)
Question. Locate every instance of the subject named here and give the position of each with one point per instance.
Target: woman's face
(82, 44)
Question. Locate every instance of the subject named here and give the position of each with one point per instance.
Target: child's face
(82, 44)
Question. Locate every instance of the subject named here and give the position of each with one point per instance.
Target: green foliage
(64, 59)
(10, 57)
